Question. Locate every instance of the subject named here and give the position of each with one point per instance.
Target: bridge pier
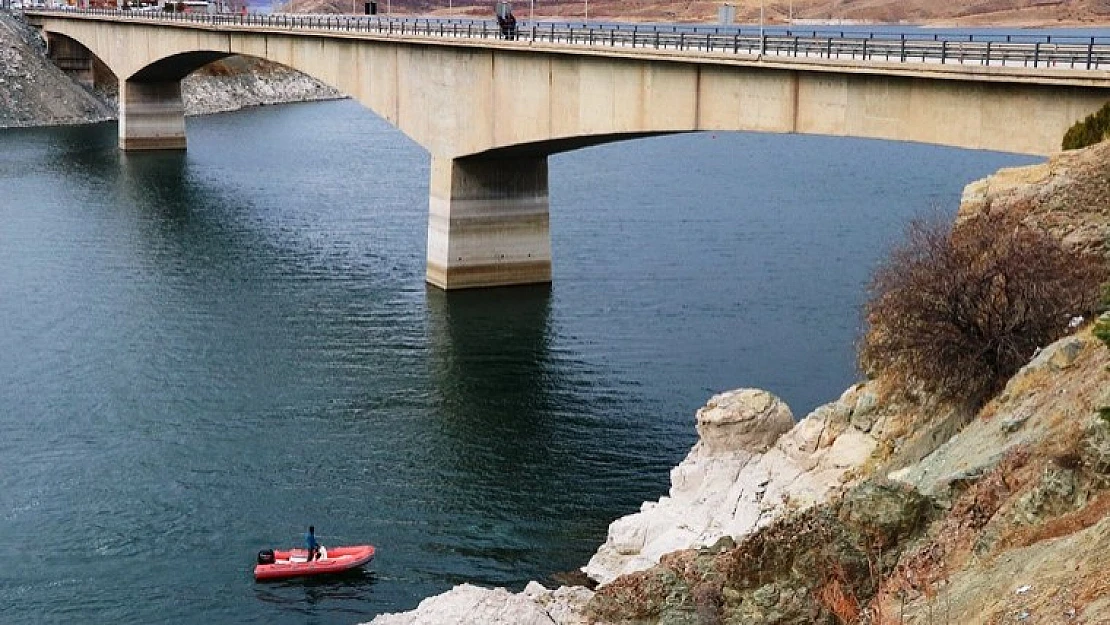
(488, 222)
(151, 115)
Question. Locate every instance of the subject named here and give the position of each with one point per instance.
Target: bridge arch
(73, 57)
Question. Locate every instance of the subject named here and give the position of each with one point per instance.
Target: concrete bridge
(491, 111)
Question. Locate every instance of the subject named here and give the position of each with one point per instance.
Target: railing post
(987, 61)
(1036, 53)
(902, 53)
(943, 51)
(1090, 52)
(828, 49)
(762, 44)
(863, 51)
(736, 43)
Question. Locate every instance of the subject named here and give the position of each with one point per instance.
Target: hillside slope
(962, 12)
(33, 92)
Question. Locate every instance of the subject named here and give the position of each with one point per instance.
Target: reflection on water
(303, 595)
(489, 351)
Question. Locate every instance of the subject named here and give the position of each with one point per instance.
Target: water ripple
(205, 352)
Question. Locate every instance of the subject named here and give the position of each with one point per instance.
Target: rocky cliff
(34, 92)
(883, 506)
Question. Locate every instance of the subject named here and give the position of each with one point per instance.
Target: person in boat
(311, 544)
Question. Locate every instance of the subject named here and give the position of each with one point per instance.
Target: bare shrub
(1102, 331)
(957, 310)
(838, 597)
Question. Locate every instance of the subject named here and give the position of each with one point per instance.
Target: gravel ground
(33, 92)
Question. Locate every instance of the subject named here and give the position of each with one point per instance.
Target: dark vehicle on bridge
(505, 19)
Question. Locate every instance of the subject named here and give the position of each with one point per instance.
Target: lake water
(202, 353)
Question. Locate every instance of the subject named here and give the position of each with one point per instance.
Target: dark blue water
(203, 353)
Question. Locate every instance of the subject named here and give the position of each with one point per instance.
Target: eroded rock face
(565, 605)
(1018, 416)
(782, 574)
(1068, 196)
(471, 605)
(750, 466)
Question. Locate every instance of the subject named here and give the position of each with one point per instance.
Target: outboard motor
(266, 556)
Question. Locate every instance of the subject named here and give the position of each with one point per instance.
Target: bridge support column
(488, 223)
(151, 116)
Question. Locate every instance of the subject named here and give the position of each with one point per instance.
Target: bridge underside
(491, 113)
(151, 111)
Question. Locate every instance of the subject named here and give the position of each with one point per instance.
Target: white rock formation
(565, 605)
(750, 465)
(471, 605)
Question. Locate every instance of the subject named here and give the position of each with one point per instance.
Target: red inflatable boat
(294, 563)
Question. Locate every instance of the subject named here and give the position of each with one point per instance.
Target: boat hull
(290, 563)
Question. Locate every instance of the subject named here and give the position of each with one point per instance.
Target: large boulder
(747, 419)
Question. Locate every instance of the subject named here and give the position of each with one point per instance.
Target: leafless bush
(958, 310)
(838, 597)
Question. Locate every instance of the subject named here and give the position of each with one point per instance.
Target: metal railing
(1048, 51)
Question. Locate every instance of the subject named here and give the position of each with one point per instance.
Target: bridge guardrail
(1073, 53)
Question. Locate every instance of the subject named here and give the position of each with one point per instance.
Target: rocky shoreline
(34, 92)
(883, 505)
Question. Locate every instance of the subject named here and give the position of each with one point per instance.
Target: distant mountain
(962, 12)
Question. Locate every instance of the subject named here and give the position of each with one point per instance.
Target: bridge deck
(1044, 60)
